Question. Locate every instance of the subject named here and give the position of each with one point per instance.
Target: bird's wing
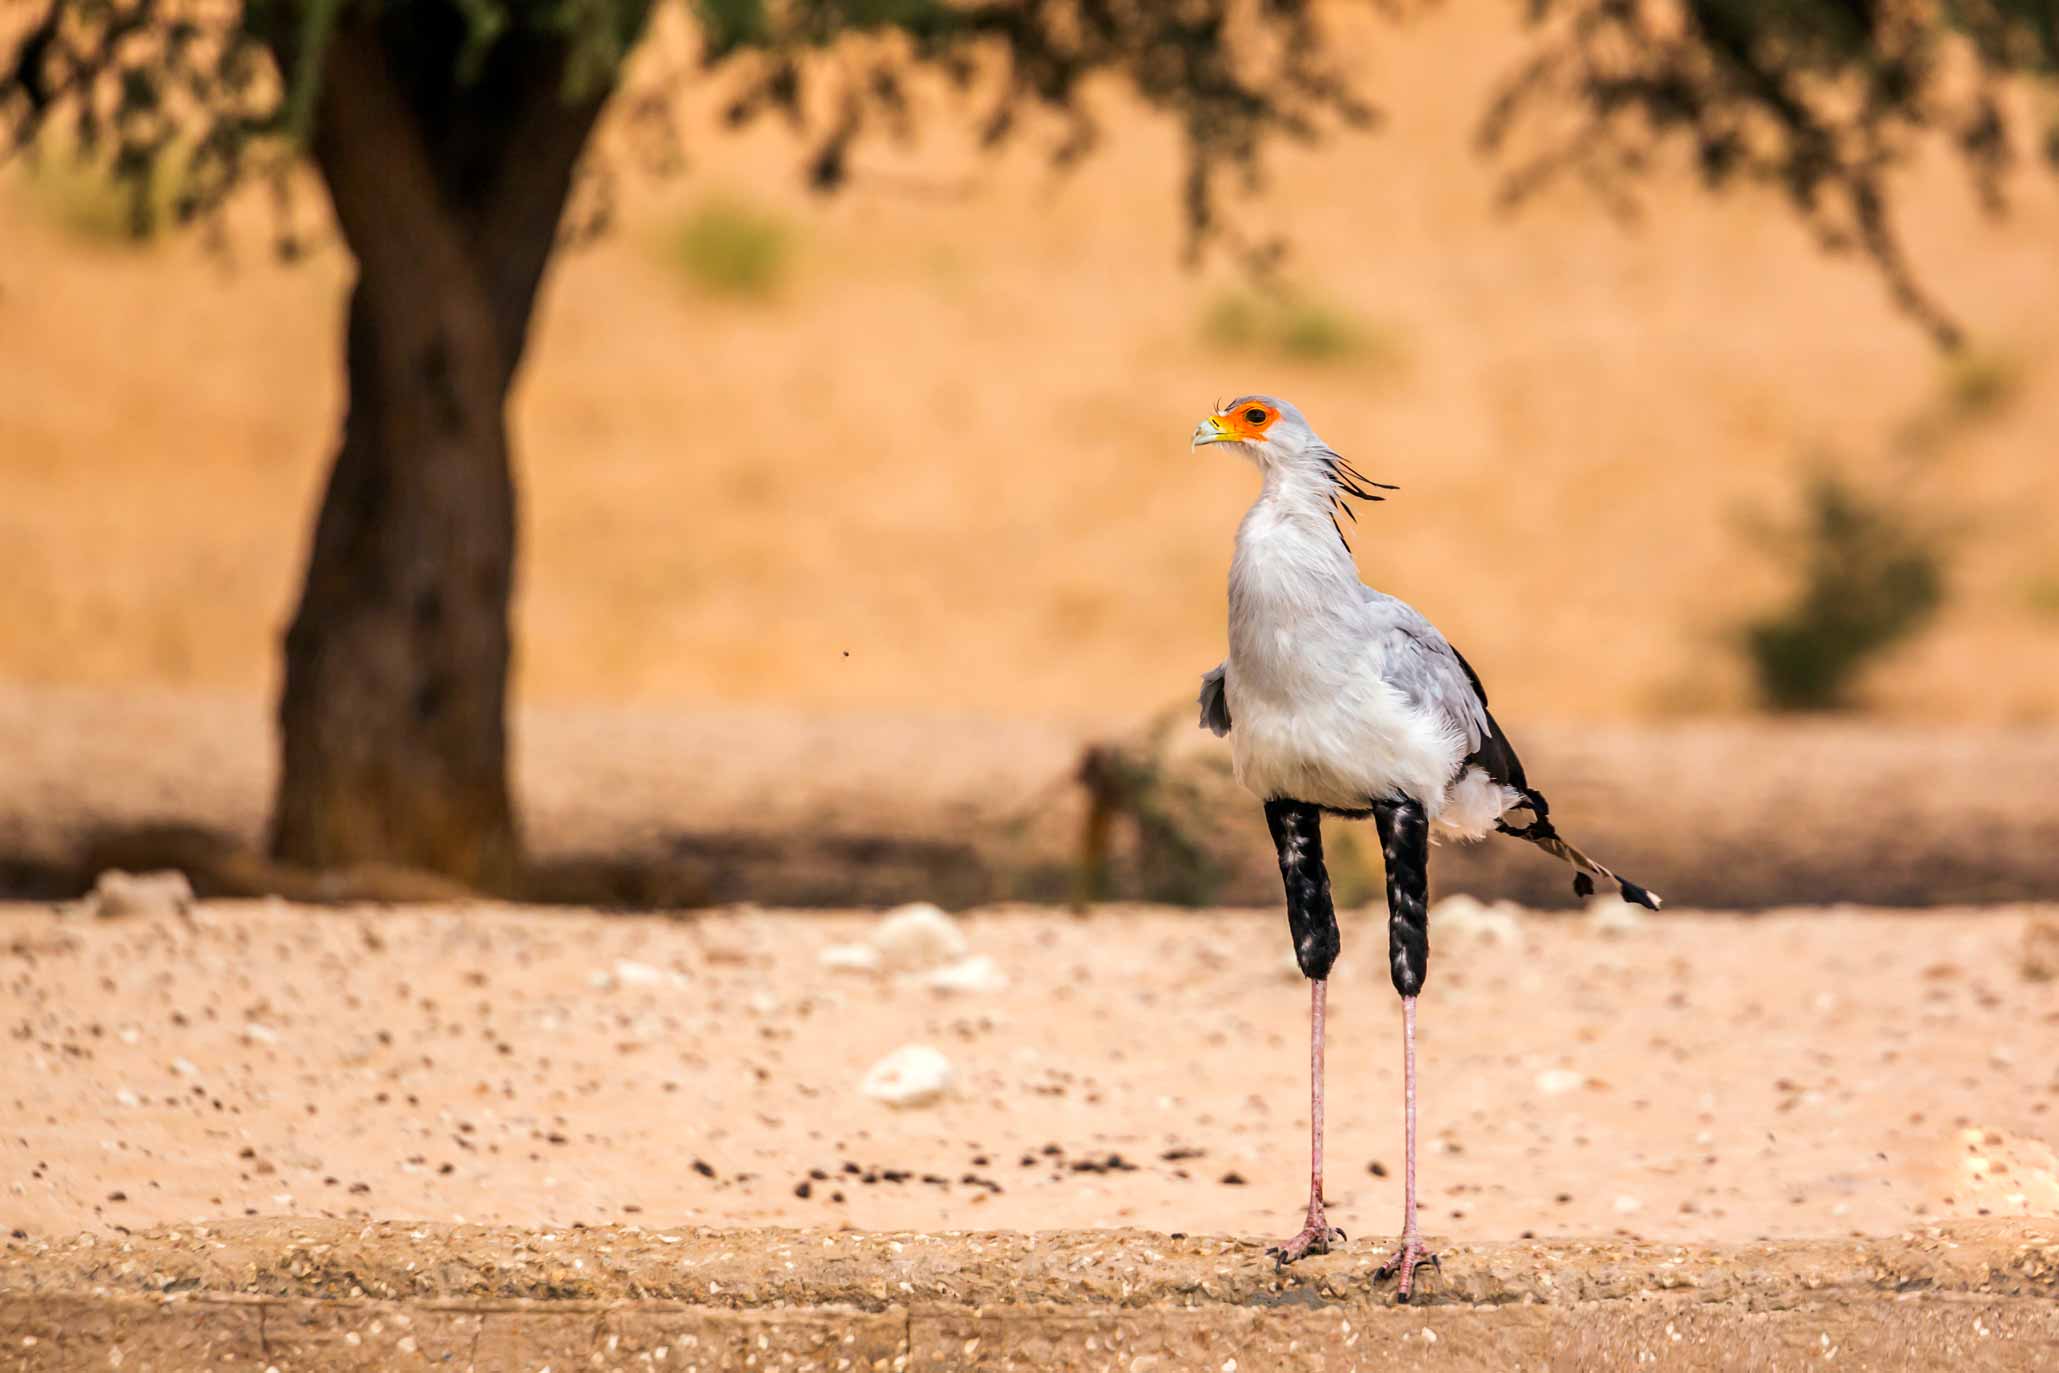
(1421, 664)
(1215, 704)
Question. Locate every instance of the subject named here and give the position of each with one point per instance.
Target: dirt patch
(331, 1295)
(760, 1269)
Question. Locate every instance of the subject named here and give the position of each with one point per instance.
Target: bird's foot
(1407, 1258)
(1316, 1237)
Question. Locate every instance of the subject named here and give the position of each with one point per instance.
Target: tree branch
(386, 192)
(514, 226)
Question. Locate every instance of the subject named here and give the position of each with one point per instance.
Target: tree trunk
(393, 717)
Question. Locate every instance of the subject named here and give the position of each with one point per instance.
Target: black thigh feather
(1298, 835)
(1405, 843)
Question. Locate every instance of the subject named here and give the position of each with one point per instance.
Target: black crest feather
(1348, 481)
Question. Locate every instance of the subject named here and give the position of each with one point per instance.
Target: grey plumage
(1421, 664)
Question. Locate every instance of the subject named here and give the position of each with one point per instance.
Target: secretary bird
(1347, 700)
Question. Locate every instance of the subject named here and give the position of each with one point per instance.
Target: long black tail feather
(1541, 832)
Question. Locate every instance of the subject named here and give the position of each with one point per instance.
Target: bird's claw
(1315, 1238)
(1407, 1259)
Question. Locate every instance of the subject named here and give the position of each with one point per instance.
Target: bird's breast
(1316, 718)
(1291, 632)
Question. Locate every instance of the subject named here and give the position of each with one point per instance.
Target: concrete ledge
(293, 1295)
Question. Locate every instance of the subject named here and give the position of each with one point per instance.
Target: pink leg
(1316, 1236)
(1411, 1254)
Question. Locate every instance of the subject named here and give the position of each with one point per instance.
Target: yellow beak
(1212, 430)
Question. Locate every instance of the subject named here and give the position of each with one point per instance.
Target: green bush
(1981, 382)
(2042, 595)
(1291, 324)
(1170, 860)
(85, 197)
(728, 248)
(1868, 578)
(1975, 385)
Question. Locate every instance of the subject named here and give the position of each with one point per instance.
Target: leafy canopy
(231, 87)
(1824, 100)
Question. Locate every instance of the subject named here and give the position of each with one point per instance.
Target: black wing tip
(1215, 704)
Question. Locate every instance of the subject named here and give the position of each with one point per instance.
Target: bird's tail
(1541, 832)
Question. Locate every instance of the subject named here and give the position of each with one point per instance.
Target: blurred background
(856, 507)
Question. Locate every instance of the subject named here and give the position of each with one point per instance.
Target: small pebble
(912, 1075)
(918, 936)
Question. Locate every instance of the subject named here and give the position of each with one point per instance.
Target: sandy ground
(1696, 1077)
(945, 468)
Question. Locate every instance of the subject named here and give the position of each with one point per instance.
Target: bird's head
(1265, 430)
(1276, 437)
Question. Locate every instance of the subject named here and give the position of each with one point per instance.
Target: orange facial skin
(1248, 420)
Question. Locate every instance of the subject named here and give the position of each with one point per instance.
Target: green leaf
(317, 22)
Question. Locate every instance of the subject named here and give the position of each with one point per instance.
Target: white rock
(629, 973)
(850, 958)
(980, 973)
(916, 937)
(1457, 907)
(1625, 1205)
(912, 1075)
(119, 893)
(1463, 915)
(1559, 1081)
(260, 1034)
(1612, 915)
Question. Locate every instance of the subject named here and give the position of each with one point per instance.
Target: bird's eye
(1255, 415)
